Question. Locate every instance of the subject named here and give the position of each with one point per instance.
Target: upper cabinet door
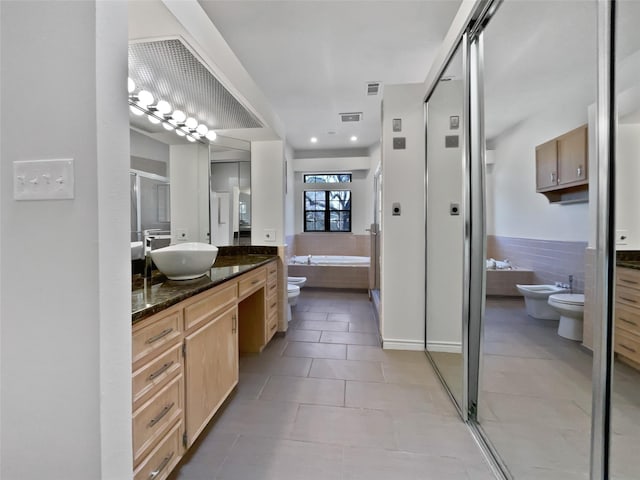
(546, 165)
(572, 157)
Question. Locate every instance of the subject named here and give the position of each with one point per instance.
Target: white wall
(445, 232)
(267, 192)
(402, 289)
(361, 188)
(189, 179)
(65, 315)
(518, 211)
(289, 209)
(627, 192)
(147, 147)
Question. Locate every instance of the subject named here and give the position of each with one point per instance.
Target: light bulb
(211, 135)
(168, 126)
(163, 107)
(190, 138)
(145, 98)
(153, 119)
(135, 110)
(202, 129)
(314, 140)
(191, 123)
(179, 116)
(131, 85)
(180, 132)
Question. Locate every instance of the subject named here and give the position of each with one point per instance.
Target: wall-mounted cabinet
(561, 167)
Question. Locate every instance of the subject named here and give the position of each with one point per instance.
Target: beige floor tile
(350, 338)
(262, 458)
(206, 457)
(323, 325)
(347, 370)
(351, 317)
(316, 391)
(286, 365)
(315, 350)
(410, 373)
(376, 354)
(344, 426)
(294, 335)
(387, 396)
(333, 307)
(308, 316)
(258, 417)
(376, 464)
(363, 326)
(251, 384)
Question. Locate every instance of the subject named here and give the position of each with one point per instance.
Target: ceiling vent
(350, 117)
(373, 88)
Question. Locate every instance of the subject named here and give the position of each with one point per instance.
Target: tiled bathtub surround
(332, 244)
(551, 261)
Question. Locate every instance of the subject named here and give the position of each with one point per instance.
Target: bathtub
(329, 260)
(503, 282)
(331, 271)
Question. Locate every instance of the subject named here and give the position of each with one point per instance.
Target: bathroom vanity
(187, 337)
(627, 313)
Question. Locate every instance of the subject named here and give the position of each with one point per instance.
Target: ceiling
(313, 59)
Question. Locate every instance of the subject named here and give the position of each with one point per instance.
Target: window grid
(327, 211)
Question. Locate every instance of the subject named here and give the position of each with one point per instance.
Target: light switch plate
(43, 179)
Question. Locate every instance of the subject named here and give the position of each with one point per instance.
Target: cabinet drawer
(627, 345)
(163, 458)
(628, 277)
(272, 327)
(149, 378)
(272, 287)
(627, 296)
(627, 318)
(209, 304)
(156, 333)
(272, 268)
(153, 419)
(272, 305)
(251, 282)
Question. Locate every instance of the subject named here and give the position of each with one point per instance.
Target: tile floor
(326, 402)
(536, 399)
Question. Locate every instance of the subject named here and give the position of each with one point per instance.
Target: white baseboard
(444, 347)
(399, 344)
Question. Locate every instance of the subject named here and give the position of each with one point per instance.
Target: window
(328, 178)
(327, 211)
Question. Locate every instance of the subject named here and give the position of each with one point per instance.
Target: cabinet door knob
(579, 171)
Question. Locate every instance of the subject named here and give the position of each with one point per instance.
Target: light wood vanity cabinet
(561, 167)
(627, 316)
(185, 364)
(158, 393)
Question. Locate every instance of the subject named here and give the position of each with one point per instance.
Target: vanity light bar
(160, 113)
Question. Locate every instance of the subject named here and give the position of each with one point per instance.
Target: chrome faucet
(148, 237)
(570, 283)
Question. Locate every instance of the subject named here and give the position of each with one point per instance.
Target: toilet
(299, 281)
(293, 292)
(570, 306)
(536, 300)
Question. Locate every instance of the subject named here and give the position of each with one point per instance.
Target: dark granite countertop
(149, 296)
(628, 259)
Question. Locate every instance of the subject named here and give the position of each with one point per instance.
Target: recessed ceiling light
(314, 140)
(354, 138)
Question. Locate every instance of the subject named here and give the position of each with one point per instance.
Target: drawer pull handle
(274, 326)
(628, 321)
(273, 305)
(626, 280)
(579, 171)
(162, 466)
(160, 371)
(234, 323)
(273, 286)
(255, 282)
(631, 300)
(628, 348)
(162, 334)
(162, 413)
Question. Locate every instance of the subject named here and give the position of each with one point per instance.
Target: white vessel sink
(185, 261)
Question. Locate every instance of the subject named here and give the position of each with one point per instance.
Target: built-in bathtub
(502, 282)
(331, 271)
